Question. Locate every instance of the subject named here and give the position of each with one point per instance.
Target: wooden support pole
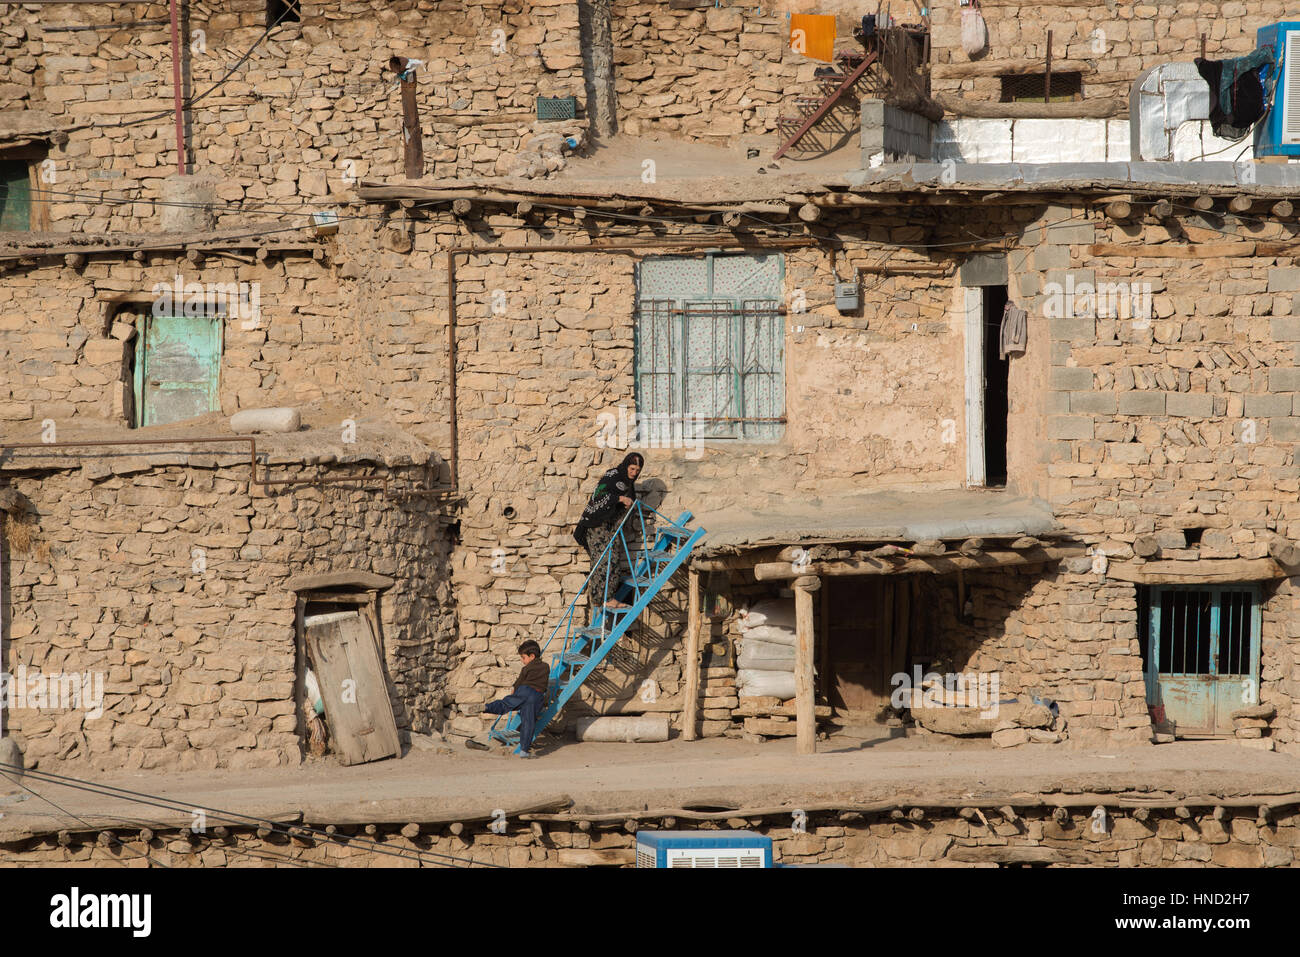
(691, 705)
(824, 642)
(1240, 204)
(1283, 209)
(412, 142)
(805, 715)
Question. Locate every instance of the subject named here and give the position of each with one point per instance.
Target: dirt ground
(709, 774)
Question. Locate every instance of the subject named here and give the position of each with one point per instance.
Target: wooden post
(691, 706)
(824, 643)
(412, 143)
(1047, 73)
(805, 716)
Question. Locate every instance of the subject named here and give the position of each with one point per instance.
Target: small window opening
(283, 11)
(1032, 87)
(1193, 536)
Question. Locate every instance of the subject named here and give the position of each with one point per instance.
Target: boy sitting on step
(530, 692)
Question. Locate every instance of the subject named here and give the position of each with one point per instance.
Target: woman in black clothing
(614, 494)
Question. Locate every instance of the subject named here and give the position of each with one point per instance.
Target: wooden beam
(1225, 250)
(1016, 67)
(805, 715)
(1022, 110)
(691, 705)
(783, 571)
(1205, 571)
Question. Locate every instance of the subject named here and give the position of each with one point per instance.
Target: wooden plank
(1023, 110)
(596, 857)
(1171, 251)
(824, 643)
(357, 709)
(778, 711)
(1011, 67)
(1207, 571)
(690, 711)
(778, 571)
(803, 672)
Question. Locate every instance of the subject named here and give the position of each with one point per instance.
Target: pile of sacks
(765, 665)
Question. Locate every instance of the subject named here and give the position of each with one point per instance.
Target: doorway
(987, 387)
(868, 624)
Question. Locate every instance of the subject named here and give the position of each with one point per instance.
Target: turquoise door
(1203, 658)
(177, 367)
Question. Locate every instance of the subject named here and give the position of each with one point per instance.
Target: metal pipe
(594, 247)
(176, 86)
(201, 440)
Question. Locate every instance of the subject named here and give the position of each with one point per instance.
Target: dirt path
(426, 786)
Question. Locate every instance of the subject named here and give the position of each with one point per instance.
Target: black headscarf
(604, 508)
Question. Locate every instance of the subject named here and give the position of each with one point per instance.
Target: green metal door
(1203, 662)
(177, 367)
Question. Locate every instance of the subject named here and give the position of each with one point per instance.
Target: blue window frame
(710, 345)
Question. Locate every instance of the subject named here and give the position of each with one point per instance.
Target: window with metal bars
(1202, 630)
(710, 346)
(1033, 87)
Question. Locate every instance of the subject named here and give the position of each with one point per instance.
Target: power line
(234, 817)
(67, 813)
(187, 104)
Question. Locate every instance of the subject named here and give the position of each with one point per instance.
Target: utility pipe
(176, 87)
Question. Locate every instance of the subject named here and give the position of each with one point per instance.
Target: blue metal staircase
(581, 648)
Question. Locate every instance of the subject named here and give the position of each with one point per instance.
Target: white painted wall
(977, 140)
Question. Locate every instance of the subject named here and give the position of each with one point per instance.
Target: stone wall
(1119, 40)
(943, 839)
(65, 350)
(313, 110)
(168, 581)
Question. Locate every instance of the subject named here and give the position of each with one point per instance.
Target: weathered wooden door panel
(178, 365)
(345, 657)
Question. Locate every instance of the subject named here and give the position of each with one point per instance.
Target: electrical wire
(152, 800)
(67, 813)
(187, 104)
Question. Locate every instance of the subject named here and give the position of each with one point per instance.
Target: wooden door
(178, 364)
(345, 656)
(866, 643)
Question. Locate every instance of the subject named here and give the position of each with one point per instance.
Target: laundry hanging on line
(1013, 335)
(813, 35)
(1237, 99)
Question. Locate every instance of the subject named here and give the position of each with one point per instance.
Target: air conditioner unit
(1279, 133)
(712, 849)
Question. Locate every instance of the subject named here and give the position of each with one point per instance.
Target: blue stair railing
(582, 647)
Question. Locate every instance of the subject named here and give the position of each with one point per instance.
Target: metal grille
(1189, 621)
(710, 347)
(1032, 87)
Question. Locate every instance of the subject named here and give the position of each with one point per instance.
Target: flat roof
(878, 516)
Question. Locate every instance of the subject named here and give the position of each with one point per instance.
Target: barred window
(1032, 87)
(710, 346)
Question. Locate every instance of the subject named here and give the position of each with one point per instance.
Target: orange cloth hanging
(813, 35)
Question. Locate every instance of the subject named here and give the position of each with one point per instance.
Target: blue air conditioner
(1279, 133)
(713, 849)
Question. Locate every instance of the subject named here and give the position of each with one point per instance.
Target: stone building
(1063, 516)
